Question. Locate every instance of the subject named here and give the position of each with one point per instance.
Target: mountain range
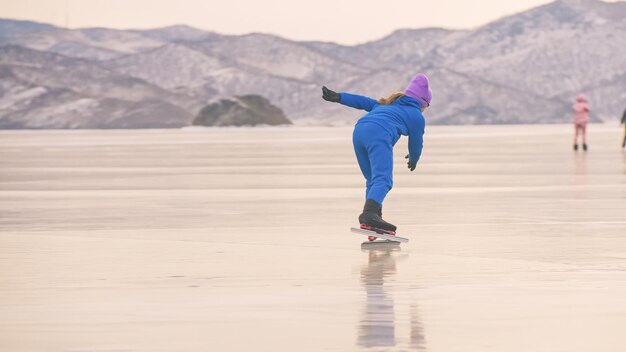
(524, 68)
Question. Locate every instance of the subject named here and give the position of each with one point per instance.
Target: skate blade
(379, 235)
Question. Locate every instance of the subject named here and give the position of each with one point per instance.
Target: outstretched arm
(351, 100)
(358, 101)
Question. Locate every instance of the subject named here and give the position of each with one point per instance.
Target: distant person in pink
(581, 118)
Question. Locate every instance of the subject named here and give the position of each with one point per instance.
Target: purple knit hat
(419, 89)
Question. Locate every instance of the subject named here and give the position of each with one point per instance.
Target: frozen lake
(238, 240)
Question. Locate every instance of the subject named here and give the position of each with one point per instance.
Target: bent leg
(380, 153)
(360, 150)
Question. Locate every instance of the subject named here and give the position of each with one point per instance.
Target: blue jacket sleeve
(357, 101)
(416, 138)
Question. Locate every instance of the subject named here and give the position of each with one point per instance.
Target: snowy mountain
(42, 90)
(524, 68)
(552, 52)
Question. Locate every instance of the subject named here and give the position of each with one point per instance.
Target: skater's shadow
(580, 174)
(580, 164)
(377, 328)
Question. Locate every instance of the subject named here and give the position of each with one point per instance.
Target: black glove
(410, 164)
(329, 95)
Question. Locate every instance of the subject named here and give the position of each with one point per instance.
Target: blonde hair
(390, 99)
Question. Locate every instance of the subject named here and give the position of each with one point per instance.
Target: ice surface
(238, 240)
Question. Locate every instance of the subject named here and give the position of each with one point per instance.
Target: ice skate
(371, 219)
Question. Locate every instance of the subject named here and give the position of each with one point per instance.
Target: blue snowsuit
(377, 132)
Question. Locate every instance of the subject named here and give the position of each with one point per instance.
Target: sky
(341, 21)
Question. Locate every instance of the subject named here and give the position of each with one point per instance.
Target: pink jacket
(581, 110)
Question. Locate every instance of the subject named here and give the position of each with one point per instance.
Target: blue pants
(374, 152)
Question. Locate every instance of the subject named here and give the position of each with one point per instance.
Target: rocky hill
(246, 110)
(524, 68)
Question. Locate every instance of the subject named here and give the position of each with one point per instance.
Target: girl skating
(374, 136)
(581, 118)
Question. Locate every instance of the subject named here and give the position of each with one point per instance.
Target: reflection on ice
(377, 327)
(418, 340)
(371, 245)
